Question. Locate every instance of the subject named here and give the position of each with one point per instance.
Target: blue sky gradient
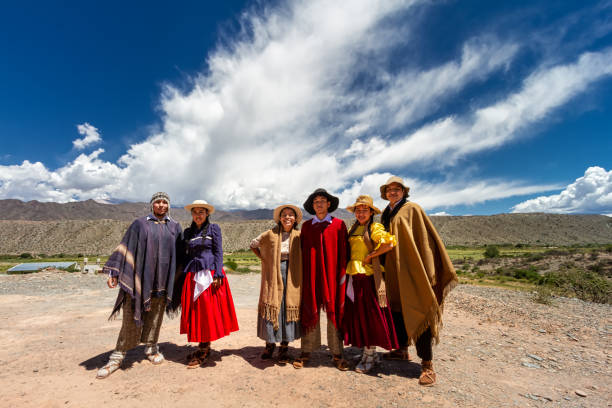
(483, 108)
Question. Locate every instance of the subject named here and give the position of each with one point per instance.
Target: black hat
(321, 192)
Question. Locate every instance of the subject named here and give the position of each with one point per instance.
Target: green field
(241, 262)
(477, 253)
(580, 271)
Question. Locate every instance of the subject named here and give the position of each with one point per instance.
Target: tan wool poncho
(271, 292)
(419, 272)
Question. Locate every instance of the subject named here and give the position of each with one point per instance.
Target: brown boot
(428, 376)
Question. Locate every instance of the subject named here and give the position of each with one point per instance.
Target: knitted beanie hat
(160, 196)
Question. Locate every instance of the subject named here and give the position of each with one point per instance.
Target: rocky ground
(498, 349)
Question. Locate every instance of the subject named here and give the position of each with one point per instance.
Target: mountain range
(90, 227)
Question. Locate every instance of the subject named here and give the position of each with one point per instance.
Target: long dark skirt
(365, 323)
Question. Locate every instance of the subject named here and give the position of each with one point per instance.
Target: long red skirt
(365, 323)
(211, 316)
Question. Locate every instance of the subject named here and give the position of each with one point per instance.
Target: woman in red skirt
(207, 306)
(367, 319)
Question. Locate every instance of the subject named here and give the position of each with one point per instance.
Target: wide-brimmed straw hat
(277, 211)
(321, 192)
(393, 179)
(200, 204)
(363, 200)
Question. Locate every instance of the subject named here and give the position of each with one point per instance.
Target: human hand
(216, 283)
(112, 282)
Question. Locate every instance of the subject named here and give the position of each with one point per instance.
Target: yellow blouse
(359, 250)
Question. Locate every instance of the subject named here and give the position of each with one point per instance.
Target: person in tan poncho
(419, 275)
(280, 252)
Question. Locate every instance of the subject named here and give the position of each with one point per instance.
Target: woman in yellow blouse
(367, 320)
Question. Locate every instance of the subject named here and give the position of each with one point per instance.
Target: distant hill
(93, 210)
(92, 228)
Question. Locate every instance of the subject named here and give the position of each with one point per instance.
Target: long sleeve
(380, 236)
(256, 242)
(217, 249)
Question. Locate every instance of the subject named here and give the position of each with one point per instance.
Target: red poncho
(325, 254)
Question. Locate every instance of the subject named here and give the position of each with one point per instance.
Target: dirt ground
(498, 349)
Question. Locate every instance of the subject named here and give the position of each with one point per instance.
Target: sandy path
(498, 349)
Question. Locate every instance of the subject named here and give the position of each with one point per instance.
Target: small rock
(35, 370)
(580, 393)
(538, 358)
(593, 387)
(542, 331)
(531, 365)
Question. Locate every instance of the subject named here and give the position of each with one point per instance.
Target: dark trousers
(423, 344)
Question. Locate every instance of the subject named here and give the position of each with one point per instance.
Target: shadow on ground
(252, 355)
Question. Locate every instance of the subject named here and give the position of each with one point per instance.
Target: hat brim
(209, 207)
(383, 189)
(334, 201)
(277, 211)
(351, 208)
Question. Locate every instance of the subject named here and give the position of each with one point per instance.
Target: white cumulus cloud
(279, 111)
(90, 133)
(591, 193)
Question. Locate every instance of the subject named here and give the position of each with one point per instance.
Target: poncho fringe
(419, 271)
(271, 292)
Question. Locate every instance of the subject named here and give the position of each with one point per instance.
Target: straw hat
(321, 192)
(363, 200)
(200, 204)
(277, 211)
(393, 179)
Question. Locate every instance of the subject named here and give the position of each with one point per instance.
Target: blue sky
(483, 108)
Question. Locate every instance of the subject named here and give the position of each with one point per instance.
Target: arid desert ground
(498, 349)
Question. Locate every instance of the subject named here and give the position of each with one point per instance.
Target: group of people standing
(379, 284)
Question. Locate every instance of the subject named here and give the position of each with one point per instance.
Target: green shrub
(491, 251)
(543, 295)
(596, 267)
(530, 274)
(533, 257)
(26, 255)
(231, 264)
(585, 285)
(556, 252)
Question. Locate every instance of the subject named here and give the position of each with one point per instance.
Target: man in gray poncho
(144, 266)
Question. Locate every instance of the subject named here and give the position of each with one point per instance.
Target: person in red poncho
(324, 242)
